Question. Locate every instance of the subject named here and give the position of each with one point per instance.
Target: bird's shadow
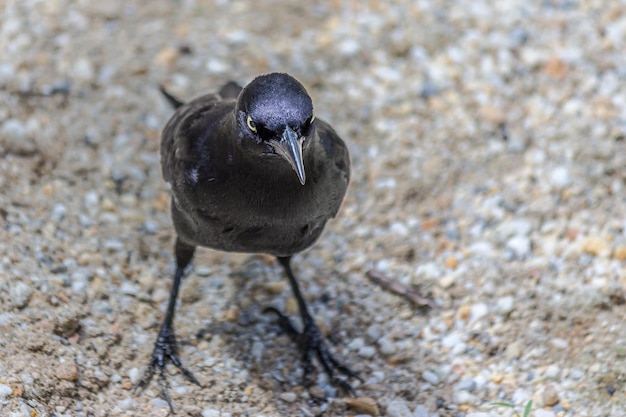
(276, 366)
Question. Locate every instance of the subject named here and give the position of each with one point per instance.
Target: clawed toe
(311, 342)
(164, 351)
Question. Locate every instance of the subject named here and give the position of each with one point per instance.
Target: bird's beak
(290, 147)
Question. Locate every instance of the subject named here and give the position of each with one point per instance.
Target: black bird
(251, 170)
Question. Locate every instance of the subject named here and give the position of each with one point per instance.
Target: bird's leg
(311, 341)
(165, 346)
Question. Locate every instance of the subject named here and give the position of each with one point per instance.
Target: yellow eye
(251, 124)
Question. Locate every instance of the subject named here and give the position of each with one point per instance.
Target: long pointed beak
(290, 147)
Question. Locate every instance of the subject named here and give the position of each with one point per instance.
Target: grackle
(251, 170)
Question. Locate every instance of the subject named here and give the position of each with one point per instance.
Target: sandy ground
(488, 144)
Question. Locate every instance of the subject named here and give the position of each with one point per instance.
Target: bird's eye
(251, 124)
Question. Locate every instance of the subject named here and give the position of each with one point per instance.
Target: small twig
(397, 288)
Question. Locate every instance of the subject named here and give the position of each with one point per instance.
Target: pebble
(210, 412)
(478, 312)
(421, 411)
(430, 377)
(367, 352)
(596, 246)
(58, 212)
(20, 294)
(134, 375)
(386, 346)
(514, 350)
(127, 403)
(454, 343)
(520, 396)
(520, 247)
(515, 227)
(560, 177)
(257, 351)
(288, 397)
(83, 70)
(13, 128)
(463, 397)
(466, 385)
(398, 408)
(66, 371)
(356, 344)
(446, 217)
(552, 372)
(364, 405)
(559, 343)
(543, 413)
(505, 305)
(550, 396)
(5, 391)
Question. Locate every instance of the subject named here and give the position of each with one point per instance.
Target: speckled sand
(488, 143)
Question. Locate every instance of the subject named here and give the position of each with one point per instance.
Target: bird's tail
(174, 102)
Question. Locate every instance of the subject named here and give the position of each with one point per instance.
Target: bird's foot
(310, 341)
(164, 350)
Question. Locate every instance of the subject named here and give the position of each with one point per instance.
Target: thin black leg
(311, 341)
(165, 348)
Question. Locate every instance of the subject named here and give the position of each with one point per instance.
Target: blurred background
(488, 145)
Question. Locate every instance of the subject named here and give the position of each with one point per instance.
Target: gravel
(488, 146)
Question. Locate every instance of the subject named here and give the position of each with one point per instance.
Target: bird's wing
(338, 162)
(230, 90)
(184, 140)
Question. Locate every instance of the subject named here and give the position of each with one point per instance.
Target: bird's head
(276, 111)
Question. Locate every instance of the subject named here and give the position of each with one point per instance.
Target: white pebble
(202, 271)
(216, 66)
(129, 288)
(520, 396)
(356, 344)
(560, 177)
(91, 200)
(543, 413)
(398, 408)
(463, 397)
(430, 377)
(559, 343)
(134, 375)
(83, 70)
(482, 249)
(386, 346)
(367, 352)
(428, 270)
(20, 294)
(453, 340)
(289, 397)
(421, 411)
(114, 245)
(505, 305)
(257, 351)
(5, 391)
(210, 412)
(516, 227)
(478, 311)
(126, 404)
(348, 47)
(13, 128)
(552, 372)
(519, 246)
(58, 212)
